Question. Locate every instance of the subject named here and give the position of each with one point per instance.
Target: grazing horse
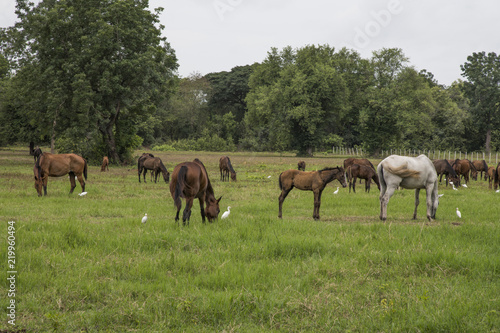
(443, 167)
(158, 167)
(491, 176)
(463, 167)
(410, 173)
(301, 166)
(362, 172)
(225, 168)
(190, 180)
(57, 165)
(480, 166)
(315, 181)
(36, 153)
(361, 161)
(105, 164)
(496, 176)
(140, 165)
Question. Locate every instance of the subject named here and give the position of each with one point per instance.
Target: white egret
(336, 191)
(145, 218)
(464, 185)
(82, 194)
(440, 195)
(268, 176)
(459, 214)
(226, 213)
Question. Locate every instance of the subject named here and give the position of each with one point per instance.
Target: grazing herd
(190, 180)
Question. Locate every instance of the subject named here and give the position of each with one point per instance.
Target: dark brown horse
(315, 181)
(443, 167)
(361, 161)
(189, 181)
(140, 165)
(480, 166)
(158, 167)
(362, 172)
(496, 176)
(301, 166)
(105, 164)
(490, 176)
(463, 167)
(36, 153)
(225, 168)
(57, 165)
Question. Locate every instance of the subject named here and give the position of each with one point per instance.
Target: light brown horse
(480, 166)
(140, 165)
(463, 167)
(491, 176)
(301, 166)
(362, 172)
(57, 165)
(105, 164)
(225, 168)
(189, 181)
(157, 167)
(315, 181)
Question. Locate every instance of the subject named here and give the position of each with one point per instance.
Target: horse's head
(233, 176)
(212, 209)
(166, 176)
(341, 176)
(38, 180)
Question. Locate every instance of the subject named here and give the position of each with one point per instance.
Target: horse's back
(57, 165)
(195, 179)
(408, 172)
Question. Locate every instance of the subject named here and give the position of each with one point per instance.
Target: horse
(36, 153)
(462, 168)
(443, 167)
(315, 181)
(140, 167)
(496, 176)
(361, 161)
(105, 164)
(362, 172)
(480, 166)
(225, 168)
(158, 167)
(410, 173)
(57, 165)
(301, 166)
(190, 180)
(491, 176)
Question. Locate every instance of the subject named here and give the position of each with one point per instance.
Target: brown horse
(491, 176)
(496, 176)
(362, 172)
(463, 167)
(36, 153)
(315, 181)
(225, 168)
(105, 164)
(361, 161)
(140, 167)
(480, 166)
(301, 166)
(443, 167)
(158, 167)
(57, 165)
(190, 180)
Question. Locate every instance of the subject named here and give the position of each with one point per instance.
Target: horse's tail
(85, 168)
(279, 181)
(181, 182)
(381, 179)
(371, 165)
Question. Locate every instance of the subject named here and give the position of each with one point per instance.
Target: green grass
(88, 264)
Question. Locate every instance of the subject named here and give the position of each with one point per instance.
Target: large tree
(90, 69)
(482, 87)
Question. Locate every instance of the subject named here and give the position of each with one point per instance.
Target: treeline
(98, 79)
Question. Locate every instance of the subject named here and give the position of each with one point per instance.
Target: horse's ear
(219, 199)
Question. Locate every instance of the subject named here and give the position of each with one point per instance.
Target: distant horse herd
(190, 179)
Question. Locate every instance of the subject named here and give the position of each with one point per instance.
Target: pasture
(88, 264)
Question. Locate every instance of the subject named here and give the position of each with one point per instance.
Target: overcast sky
(217, 35)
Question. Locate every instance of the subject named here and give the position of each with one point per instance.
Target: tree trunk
(488, 141)
(109, 137)
(32, 147)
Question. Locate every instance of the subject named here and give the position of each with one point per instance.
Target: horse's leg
(284, 193)
(145, 171)
(417, 201)
(367, 185)
(385, 195)
(45, 180)
(82, 181)
(317, 204)
(178, 205)
(354, 184)
(139, 173)
(202, 209)
(187, 211)
(72, 181)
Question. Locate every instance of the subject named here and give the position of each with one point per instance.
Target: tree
(482, 87)
(92, 68)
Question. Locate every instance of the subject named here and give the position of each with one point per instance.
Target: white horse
(410, 173)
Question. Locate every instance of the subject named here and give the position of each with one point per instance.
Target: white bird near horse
(226, 213)
(411, 173)
(145, 218)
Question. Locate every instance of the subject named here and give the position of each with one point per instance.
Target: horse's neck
(329, 175)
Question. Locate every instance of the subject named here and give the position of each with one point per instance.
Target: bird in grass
(226, 213)
(82, 194)
(459, 214)
(336, 191)
(464, 185)
(454, 188)
(440, 195)
(145, 218)
(497, 191)
(268, 176)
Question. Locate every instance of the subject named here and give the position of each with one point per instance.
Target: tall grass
(88, 264)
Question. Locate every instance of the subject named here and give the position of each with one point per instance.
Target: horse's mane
(209, 185)
(449, 168)
(472, 165)
(332, 175)
(485, 166)
(229, 165)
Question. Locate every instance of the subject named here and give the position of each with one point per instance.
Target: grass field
(87, 264)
